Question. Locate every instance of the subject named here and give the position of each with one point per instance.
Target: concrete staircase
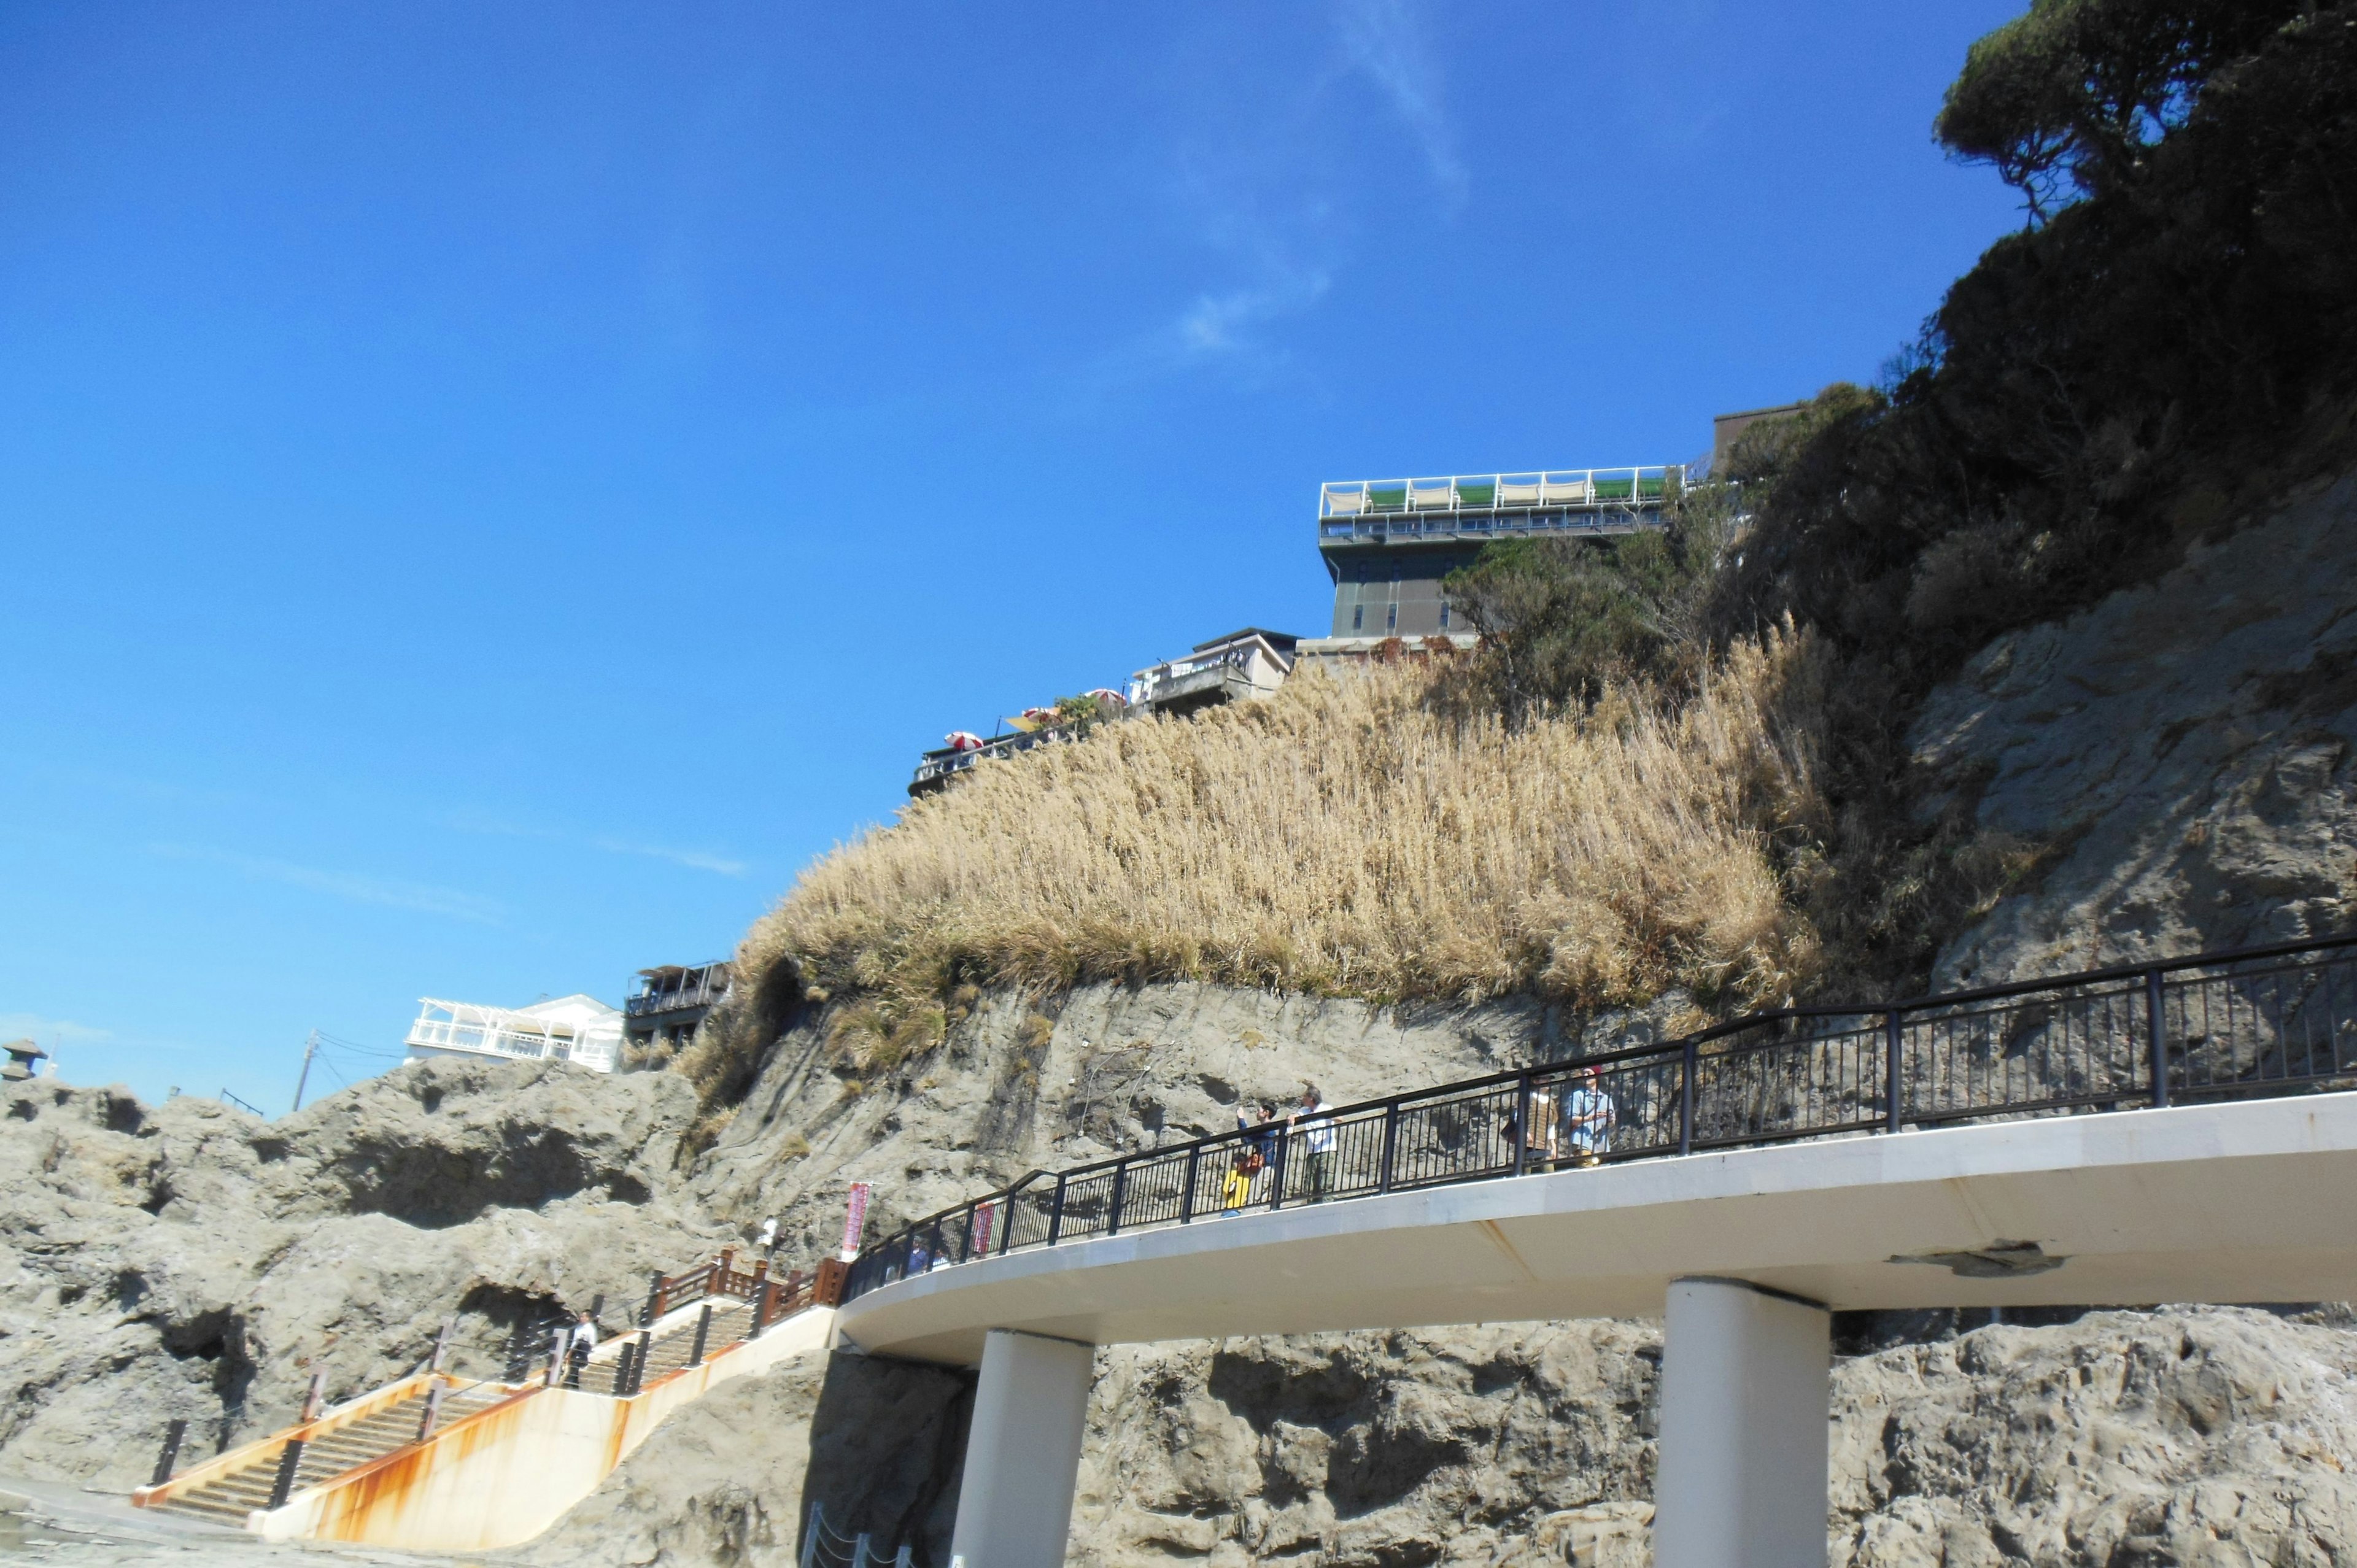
(227, 1500)
(506, 1457)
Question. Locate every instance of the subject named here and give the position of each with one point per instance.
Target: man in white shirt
(1318, 1141)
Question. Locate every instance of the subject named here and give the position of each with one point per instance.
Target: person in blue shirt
(1587, 1117)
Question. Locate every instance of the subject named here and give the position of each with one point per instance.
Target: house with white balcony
(577, 1029)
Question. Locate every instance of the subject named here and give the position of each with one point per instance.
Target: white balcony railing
(502, 1032)
(1487, 496)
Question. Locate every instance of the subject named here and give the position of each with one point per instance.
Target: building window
(1358, 616)
(1391, 618)
(1443, 614)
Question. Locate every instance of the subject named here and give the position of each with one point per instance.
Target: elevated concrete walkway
(2217, 1203)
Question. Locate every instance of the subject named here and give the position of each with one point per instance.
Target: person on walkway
(1235, 1188)
(1318, 1139)
(1259, 1127)
(1587, 1117)
(1545, 1134)
(583, 1339)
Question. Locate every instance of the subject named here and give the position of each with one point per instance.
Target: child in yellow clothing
(1235, 1190)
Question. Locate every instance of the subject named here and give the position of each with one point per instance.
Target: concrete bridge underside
(1746, 1252)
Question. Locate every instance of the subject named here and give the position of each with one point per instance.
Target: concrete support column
(1022, 1452)
(1746, 1379)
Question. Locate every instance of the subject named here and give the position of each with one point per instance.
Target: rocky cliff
(2182, 753)
(2179, 753)
(190, 1259)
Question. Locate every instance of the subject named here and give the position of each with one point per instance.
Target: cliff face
(188, 1260)
(2184, 751)
(1024, 1083)
(2188, 1436)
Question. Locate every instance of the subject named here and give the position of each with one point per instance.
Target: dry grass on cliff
(1350, 837)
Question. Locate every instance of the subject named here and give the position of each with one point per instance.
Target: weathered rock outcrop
(2192, 1435)
(1025, 1082)
(2184, 749)
(190, 1259)
(729, 1480)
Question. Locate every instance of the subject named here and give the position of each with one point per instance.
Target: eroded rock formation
(190, 1259)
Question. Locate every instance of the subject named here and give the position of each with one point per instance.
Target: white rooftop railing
(1488, 495)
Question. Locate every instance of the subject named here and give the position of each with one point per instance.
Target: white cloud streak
(421, 898)
(1263, 178)
(47, 1032)
(693, 859)
(1384, 40)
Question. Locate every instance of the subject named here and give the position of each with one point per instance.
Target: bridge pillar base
(1022, 1452)
(1746, 1379)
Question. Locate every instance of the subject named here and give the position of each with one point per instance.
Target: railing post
(1890, 1071)
(1277, 1166)
(639, 1361)
(702, 1332)
(1521, 1124)
(282, 1485)
(1691, 1063)
(314, 1396)
(2156, 1006)
(1056, 1212)
(175, 1431)
(1391, 1145)
(762, 1290)
(1120, 1191)
(433, 1416)
(654, 1301)
(442, 1344)
(620, 1387)
(1187, 1194)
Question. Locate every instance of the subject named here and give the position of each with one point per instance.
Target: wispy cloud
(694, 859)
(1272, 185)
(1384, 40)
(385, 893)
(49, 1032)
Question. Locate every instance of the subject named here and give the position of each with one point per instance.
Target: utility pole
(310, 1049)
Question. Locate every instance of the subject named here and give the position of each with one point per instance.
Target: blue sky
(489, 491)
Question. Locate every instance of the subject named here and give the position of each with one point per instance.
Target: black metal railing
(2252, 1022)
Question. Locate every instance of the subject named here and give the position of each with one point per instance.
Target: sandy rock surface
(1028, 1082)
(2193, 1436)
(2185, 747)
(190, 1259)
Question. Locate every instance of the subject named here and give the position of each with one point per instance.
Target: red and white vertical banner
(854, 1221)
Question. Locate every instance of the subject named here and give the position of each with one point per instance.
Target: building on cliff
(1388, 544)
(1240, 667)
(577, 1029)
(671, 1000)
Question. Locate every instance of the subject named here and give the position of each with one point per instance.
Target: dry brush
(1357, 835)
